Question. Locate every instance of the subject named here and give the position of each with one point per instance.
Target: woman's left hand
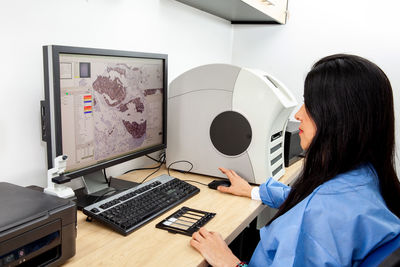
(213, 248)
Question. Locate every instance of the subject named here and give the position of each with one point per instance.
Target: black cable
(156, 160)
(141, 169)
(105, 177)
(161, 160)
(158, 168)
(191, 167)
(169, 166)
(195, 182)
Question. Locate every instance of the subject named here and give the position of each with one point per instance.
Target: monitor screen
(103, 107)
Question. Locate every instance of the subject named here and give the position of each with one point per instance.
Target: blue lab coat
(336, 225)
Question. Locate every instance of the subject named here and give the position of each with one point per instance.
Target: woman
(345, 203)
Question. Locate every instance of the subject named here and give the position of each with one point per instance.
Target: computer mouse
(214, 184)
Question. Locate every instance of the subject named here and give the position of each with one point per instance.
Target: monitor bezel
(52, 123)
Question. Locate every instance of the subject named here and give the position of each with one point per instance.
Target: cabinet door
(276, 9)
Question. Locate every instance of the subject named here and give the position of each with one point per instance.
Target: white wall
(188, 36)
(318, 28)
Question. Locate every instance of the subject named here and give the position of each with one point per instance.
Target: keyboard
(127, 211)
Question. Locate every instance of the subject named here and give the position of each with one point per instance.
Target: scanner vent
(276, 159)
(274, 172)
(275, 148)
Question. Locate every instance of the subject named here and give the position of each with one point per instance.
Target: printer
(36, 229)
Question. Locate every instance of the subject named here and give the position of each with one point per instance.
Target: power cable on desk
(169, 166)
(161, 160)
(191, 167)
(158, 168)
(195, 182)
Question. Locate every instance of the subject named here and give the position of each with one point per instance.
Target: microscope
(56, 179)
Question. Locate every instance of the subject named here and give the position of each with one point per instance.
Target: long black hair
(350, 100)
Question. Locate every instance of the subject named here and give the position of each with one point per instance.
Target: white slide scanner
(221, 115)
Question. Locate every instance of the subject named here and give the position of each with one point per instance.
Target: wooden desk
(97, 245)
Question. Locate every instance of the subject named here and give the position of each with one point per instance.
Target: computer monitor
(102, 107)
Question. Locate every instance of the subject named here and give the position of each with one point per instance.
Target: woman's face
(307, 127)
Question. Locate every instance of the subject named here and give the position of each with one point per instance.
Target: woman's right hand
(239, 186)
(213, 248)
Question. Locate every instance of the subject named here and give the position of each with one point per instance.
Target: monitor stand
(96, 188)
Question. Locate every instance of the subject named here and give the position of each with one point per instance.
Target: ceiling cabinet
(244, 11)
